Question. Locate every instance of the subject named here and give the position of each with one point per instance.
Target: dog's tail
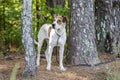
(35, 42)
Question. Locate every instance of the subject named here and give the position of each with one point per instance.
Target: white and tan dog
(55, 34)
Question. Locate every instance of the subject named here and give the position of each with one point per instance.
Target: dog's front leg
(61, 52)
(50, 49)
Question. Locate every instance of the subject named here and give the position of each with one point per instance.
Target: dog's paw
(48, 68)
(37, 64)
(63, 69)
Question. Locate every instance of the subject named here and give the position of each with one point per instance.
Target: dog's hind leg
(40, 42)
(46, 52)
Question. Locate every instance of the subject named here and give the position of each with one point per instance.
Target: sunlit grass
(113, 74)
(14, 72)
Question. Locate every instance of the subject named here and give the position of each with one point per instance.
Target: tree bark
(116, 29)
(27, 38)
(107, 25)
(82, 47)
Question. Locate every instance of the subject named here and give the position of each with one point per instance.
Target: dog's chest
(57, 40)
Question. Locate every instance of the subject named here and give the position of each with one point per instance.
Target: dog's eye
(59, 21)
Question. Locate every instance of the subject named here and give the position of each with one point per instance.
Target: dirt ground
(72, 73)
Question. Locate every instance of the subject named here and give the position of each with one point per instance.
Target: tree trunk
(50, 3)
(27, 38)
(37, 15)
(60, 2)
(116, 29)
(82, 47)
(53, 3)
(107, 25)
(4, 15)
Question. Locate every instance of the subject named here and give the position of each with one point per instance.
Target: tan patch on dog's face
(59, 20)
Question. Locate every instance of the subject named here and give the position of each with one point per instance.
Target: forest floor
(72, 73)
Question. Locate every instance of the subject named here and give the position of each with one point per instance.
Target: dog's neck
(60, 32)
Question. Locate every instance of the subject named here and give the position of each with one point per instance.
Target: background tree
(82, 47)
(10, 25)
(107, 13)
(54, 3)
(27, 38)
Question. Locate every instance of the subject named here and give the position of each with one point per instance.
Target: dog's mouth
(58, 29)
(53, 26)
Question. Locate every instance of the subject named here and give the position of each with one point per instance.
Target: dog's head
(59, 22)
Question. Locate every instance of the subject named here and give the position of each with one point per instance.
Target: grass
(113, 74)
(14, 72)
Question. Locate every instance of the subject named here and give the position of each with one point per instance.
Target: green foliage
(10, 26)
(115, 76)
(10, 20)
(62, 11)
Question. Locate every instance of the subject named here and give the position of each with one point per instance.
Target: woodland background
(104, 14)
(10, 21)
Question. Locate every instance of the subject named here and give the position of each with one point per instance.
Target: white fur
(52, 41)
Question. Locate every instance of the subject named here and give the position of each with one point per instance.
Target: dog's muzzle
(53, 26)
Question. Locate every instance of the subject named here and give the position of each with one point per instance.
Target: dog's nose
(53, 26)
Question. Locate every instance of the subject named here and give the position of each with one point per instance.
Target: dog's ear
(55, 15)
(64, 19)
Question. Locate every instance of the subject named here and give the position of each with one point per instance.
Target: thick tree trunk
(107, 25)
(116, 32)
(82, 47)
(27, 38)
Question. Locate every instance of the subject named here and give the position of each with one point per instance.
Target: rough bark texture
(27, 38)
(82, 47)
(116, 29)
(107, 25)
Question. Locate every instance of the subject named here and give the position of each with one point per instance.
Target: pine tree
(27, 38)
